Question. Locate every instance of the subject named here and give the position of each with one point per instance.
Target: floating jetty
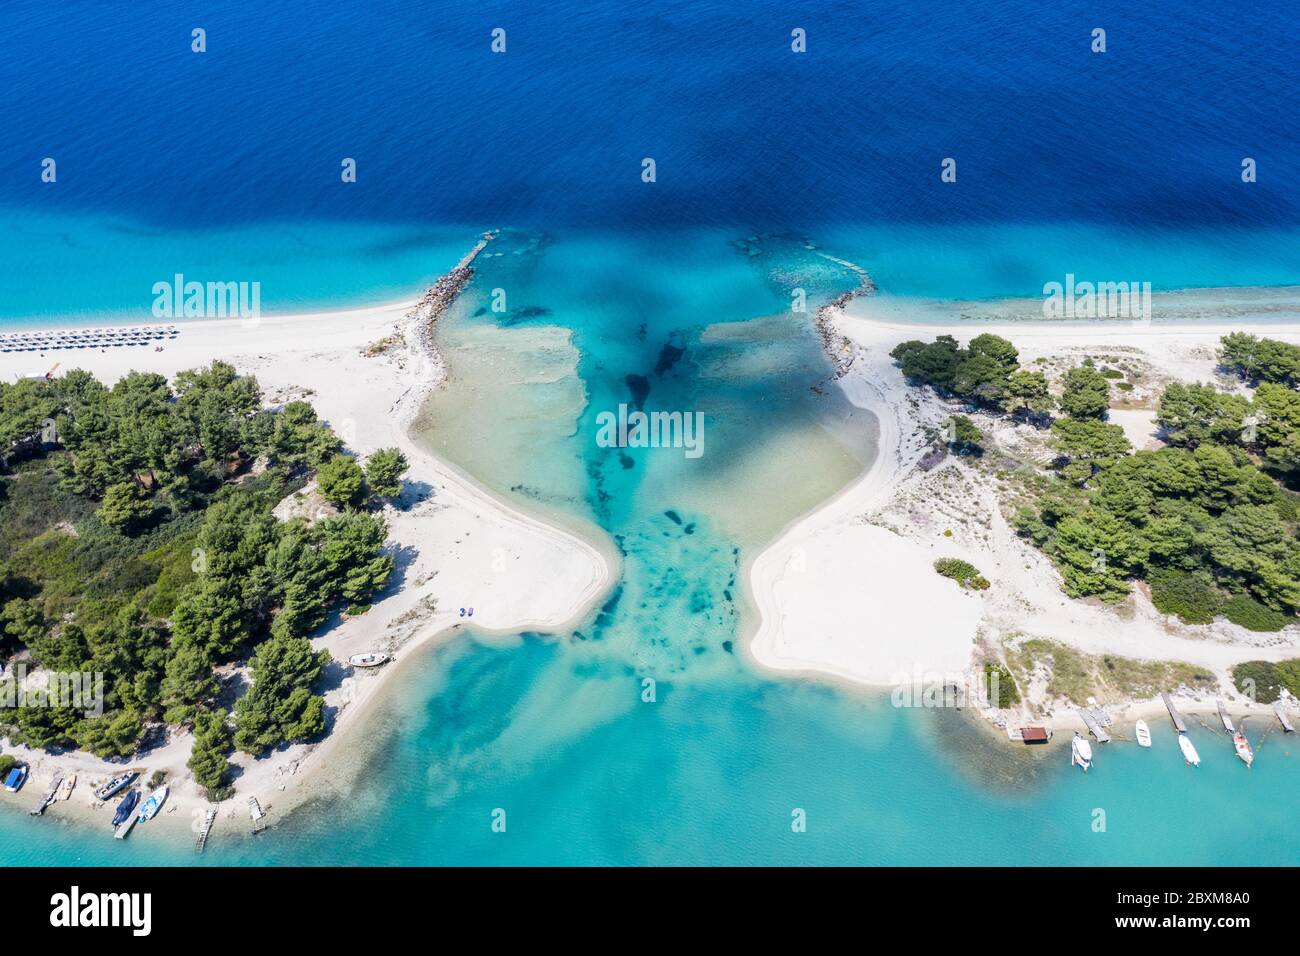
(208, 819)
(255, 811)
(1174, 714)
(1282, 718)
(1223, 716)
(1094, 726)
(124, 828)
(51, 795)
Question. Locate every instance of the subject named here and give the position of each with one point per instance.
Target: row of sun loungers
(85, 338)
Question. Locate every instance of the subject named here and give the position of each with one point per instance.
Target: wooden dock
(50, 795)
(124, 828)
(255, 811)
(208, 819)
(1223, 716)
(1174, 714)
(1094, 726)
(1281, 716)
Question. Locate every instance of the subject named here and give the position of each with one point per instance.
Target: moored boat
(1080, 753)
(152, 804)
(1143, 733)
(123, 812)
(1242, 746)
(369, 659)
(17, 777)
(116, 784)
(1189, 752)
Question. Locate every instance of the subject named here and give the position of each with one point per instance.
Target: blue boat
(17, 777)
(126, 806)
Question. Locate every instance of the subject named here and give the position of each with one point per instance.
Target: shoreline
(457, 542)
(835, 578)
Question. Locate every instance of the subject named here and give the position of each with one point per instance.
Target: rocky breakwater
(439, 296)
(839, 349)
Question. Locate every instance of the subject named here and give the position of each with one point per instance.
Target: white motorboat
(1081, 753)
(371, 659)
(1143, 733)
(1189, 752)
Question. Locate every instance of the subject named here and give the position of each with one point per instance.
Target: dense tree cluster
(1261, 360)
(140, 544)
(1202, 520)
(987, 373)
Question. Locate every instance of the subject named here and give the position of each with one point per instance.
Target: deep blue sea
(225, 165)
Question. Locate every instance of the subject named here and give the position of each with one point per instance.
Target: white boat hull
(1081, 753)
(1242, 746)
(1189, 751)
(1143, 733)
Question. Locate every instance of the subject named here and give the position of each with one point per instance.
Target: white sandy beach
(849, 591)
(457, 546)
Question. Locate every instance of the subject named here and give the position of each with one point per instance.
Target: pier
(208, 819)
(50, 795)
(255, 811)
(1094, 726)
(1282, 718)
(1223, 716)
(1177, 717)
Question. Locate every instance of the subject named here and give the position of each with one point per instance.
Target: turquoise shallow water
(711, 773)
(553, 730)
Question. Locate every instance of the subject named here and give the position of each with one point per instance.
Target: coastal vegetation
(963, 572)
(1075, 675)
(141, 544)
(1003, 692)
(1208, 521)
(1264, 681)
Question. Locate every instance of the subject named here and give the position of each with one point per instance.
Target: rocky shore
(438, 297)
(838, 348)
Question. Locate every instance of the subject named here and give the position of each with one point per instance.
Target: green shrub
(1112, 373)
(1000, 682)
(1259, 680)
(1245, 610)
(963, 572)
(7, 763)
(1192, 596)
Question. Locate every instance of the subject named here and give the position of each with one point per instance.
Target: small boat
(125, 807)
(152, 804)
(1080, 753)
(66, 788)
(116, 784)
(17, 777)
(1143, 733)
(371, 659)
(1223, 716)
(1242, 746)
(1189, 752)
